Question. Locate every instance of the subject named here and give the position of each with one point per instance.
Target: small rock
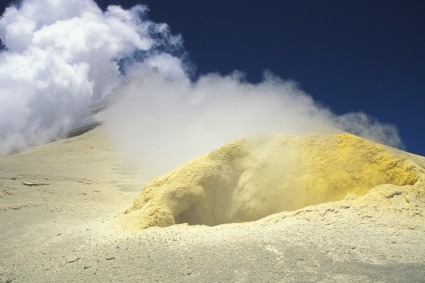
(73, 260)
(32, 184)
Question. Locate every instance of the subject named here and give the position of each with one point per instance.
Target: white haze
(62, 57)
(65, 56)
(162, 123)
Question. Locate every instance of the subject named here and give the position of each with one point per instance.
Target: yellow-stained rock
(252, 178)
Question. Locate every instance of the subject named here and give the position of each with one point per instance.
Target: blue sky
(349, 55)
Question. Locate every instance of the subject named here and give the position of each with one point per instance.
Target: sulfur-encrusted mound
(252, 178)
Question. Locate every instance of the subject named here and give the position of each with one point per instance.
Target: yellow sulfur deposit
(252, 178)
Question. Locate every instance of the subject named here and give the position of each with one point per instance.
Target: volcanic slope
(352, 211)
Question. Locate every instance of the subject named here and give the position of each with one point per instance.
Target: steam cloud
(64, 57)
(162, 123)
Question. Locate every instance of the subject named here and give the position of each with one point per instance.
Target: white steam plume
(163, 123)
(62, 57)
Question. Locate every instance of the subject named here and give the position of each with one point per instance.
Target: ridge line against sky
(352, 55)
